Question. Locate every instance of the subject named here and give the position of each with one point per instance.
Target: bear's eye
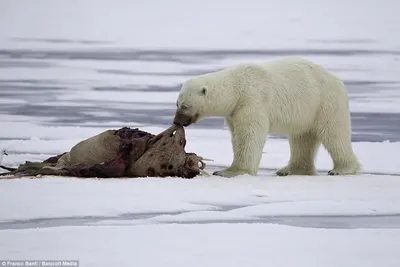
(203, 91)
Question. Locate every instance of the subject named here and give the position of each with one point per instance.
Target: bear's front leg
(248, 140)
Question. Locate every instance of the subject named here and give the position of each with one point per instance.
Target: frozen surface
(60, 200)
(208, 245)
(71, 69)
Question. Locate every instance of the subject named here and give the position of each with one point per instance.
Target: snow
(208, 245)
(224, 24)
(241, 197)
(206, 221)
(132, 56)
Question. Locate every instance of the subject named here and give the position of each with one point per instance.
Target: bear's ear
(203, 90)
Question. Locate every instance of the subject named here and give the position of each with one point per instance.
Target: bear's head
(211, 94)
(192, 102)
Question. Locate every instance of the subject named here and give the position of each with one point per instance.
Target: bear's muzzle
(182, 119)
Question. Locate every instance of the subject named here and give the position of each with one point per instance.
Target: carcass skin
(122, 153)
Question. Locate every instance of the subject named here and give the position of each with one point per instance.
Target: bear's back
(291, 90)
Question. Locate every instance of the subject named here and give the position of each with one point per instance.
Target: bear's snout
(182, 119)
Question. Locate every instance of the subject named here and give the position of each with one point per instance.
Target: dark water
(373, 127)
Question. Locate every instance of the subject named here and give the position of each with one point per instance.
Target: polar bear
(290, 96)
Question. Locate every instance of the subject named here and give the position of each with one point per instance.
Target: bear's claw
(347, 171)
(229, 173)
(293, 170)
(282, 172)
(332, 172)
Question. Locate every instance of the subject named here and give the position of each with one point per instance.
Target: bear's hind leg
(248, 141)
(303, 149)
(337, 142)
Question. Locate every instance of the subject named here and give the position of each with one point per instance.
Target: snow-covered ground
(71, 69)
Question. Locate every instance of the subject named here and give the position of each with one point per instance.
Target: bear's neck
(226, 93)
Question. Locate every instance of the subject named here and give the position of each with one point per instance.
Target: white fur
(291, 96)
